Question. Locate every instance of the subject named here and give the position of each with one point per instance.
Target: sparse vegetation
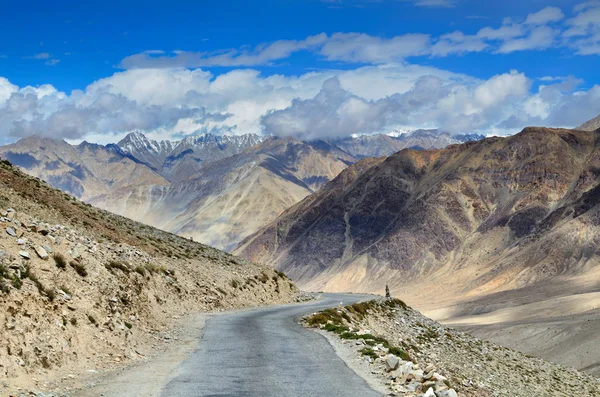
(79, 268)
(66, 290)
(116, 265)
(60, 260)
(367, 351)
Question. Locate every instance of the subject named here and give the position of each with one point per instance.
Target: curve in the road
(266, 353)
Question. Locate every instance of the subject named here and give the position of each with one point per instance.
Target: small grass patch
(367, 351)
(116, 265)
(79, 268)
(60, 260)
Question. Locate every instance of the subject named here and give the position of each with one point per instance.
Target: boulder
(391, 362)
(11, 232)
(25, 254)
(41, 252)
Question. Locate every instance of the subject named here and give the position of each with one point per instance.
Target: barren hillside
(82, 289)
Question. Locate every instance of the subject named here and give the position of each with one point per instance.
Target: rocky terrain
(481, 212)
(215, 189)
(416, 356)
(82, 289)
(590, 125)
(508, 226)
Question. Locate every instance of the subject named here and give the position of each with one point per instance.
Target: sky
(310, 69)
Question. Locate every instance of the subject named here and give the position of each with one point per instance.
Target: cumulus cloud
(332, 113)
(168, 103)
(48, 112)
(560, 105)
(457, 107)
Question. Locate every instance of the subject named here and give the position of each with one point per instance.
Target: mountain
(231, 198)
(180, 160)
(85, 170)
(215, 189)
(590, 125)
(498, 237)
(378, 145)
(489, 205)
(150, 152)
(83, 288)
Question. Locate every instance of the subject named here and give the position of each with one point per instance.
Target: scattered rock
(391, 362)
(11, 232)
(41, 252)
(25, 254)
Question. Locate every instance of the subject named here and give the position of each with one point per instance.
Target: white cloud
(335, 112)
(540, 38)
(583, 33)
(544, 16)
(505, 32)
(358, 47)
(457, 43)
(261, 55)
(41, 55)
(176, 102)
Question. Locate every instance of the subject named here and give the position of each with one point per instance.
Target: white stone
(429, 393)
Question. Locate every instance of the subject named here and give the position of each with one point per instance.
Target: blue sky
(89, 70)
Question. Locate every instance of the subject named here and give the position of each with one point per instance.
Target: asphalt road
(266, 353)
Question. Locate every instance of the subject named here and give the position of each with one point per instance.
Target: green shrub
(367, 351)
(16, 282)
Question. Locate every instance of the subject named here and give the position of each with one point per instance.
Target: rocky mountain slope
(590, 125)
(385, 145)
(415, 356)
(82, 289)
(85, 170)
(511, 224)
(215, 189)
(180, 160)
(488, 205)
(229, 199)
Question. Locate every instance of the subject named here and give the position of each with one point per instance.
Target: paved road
(266, 353)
